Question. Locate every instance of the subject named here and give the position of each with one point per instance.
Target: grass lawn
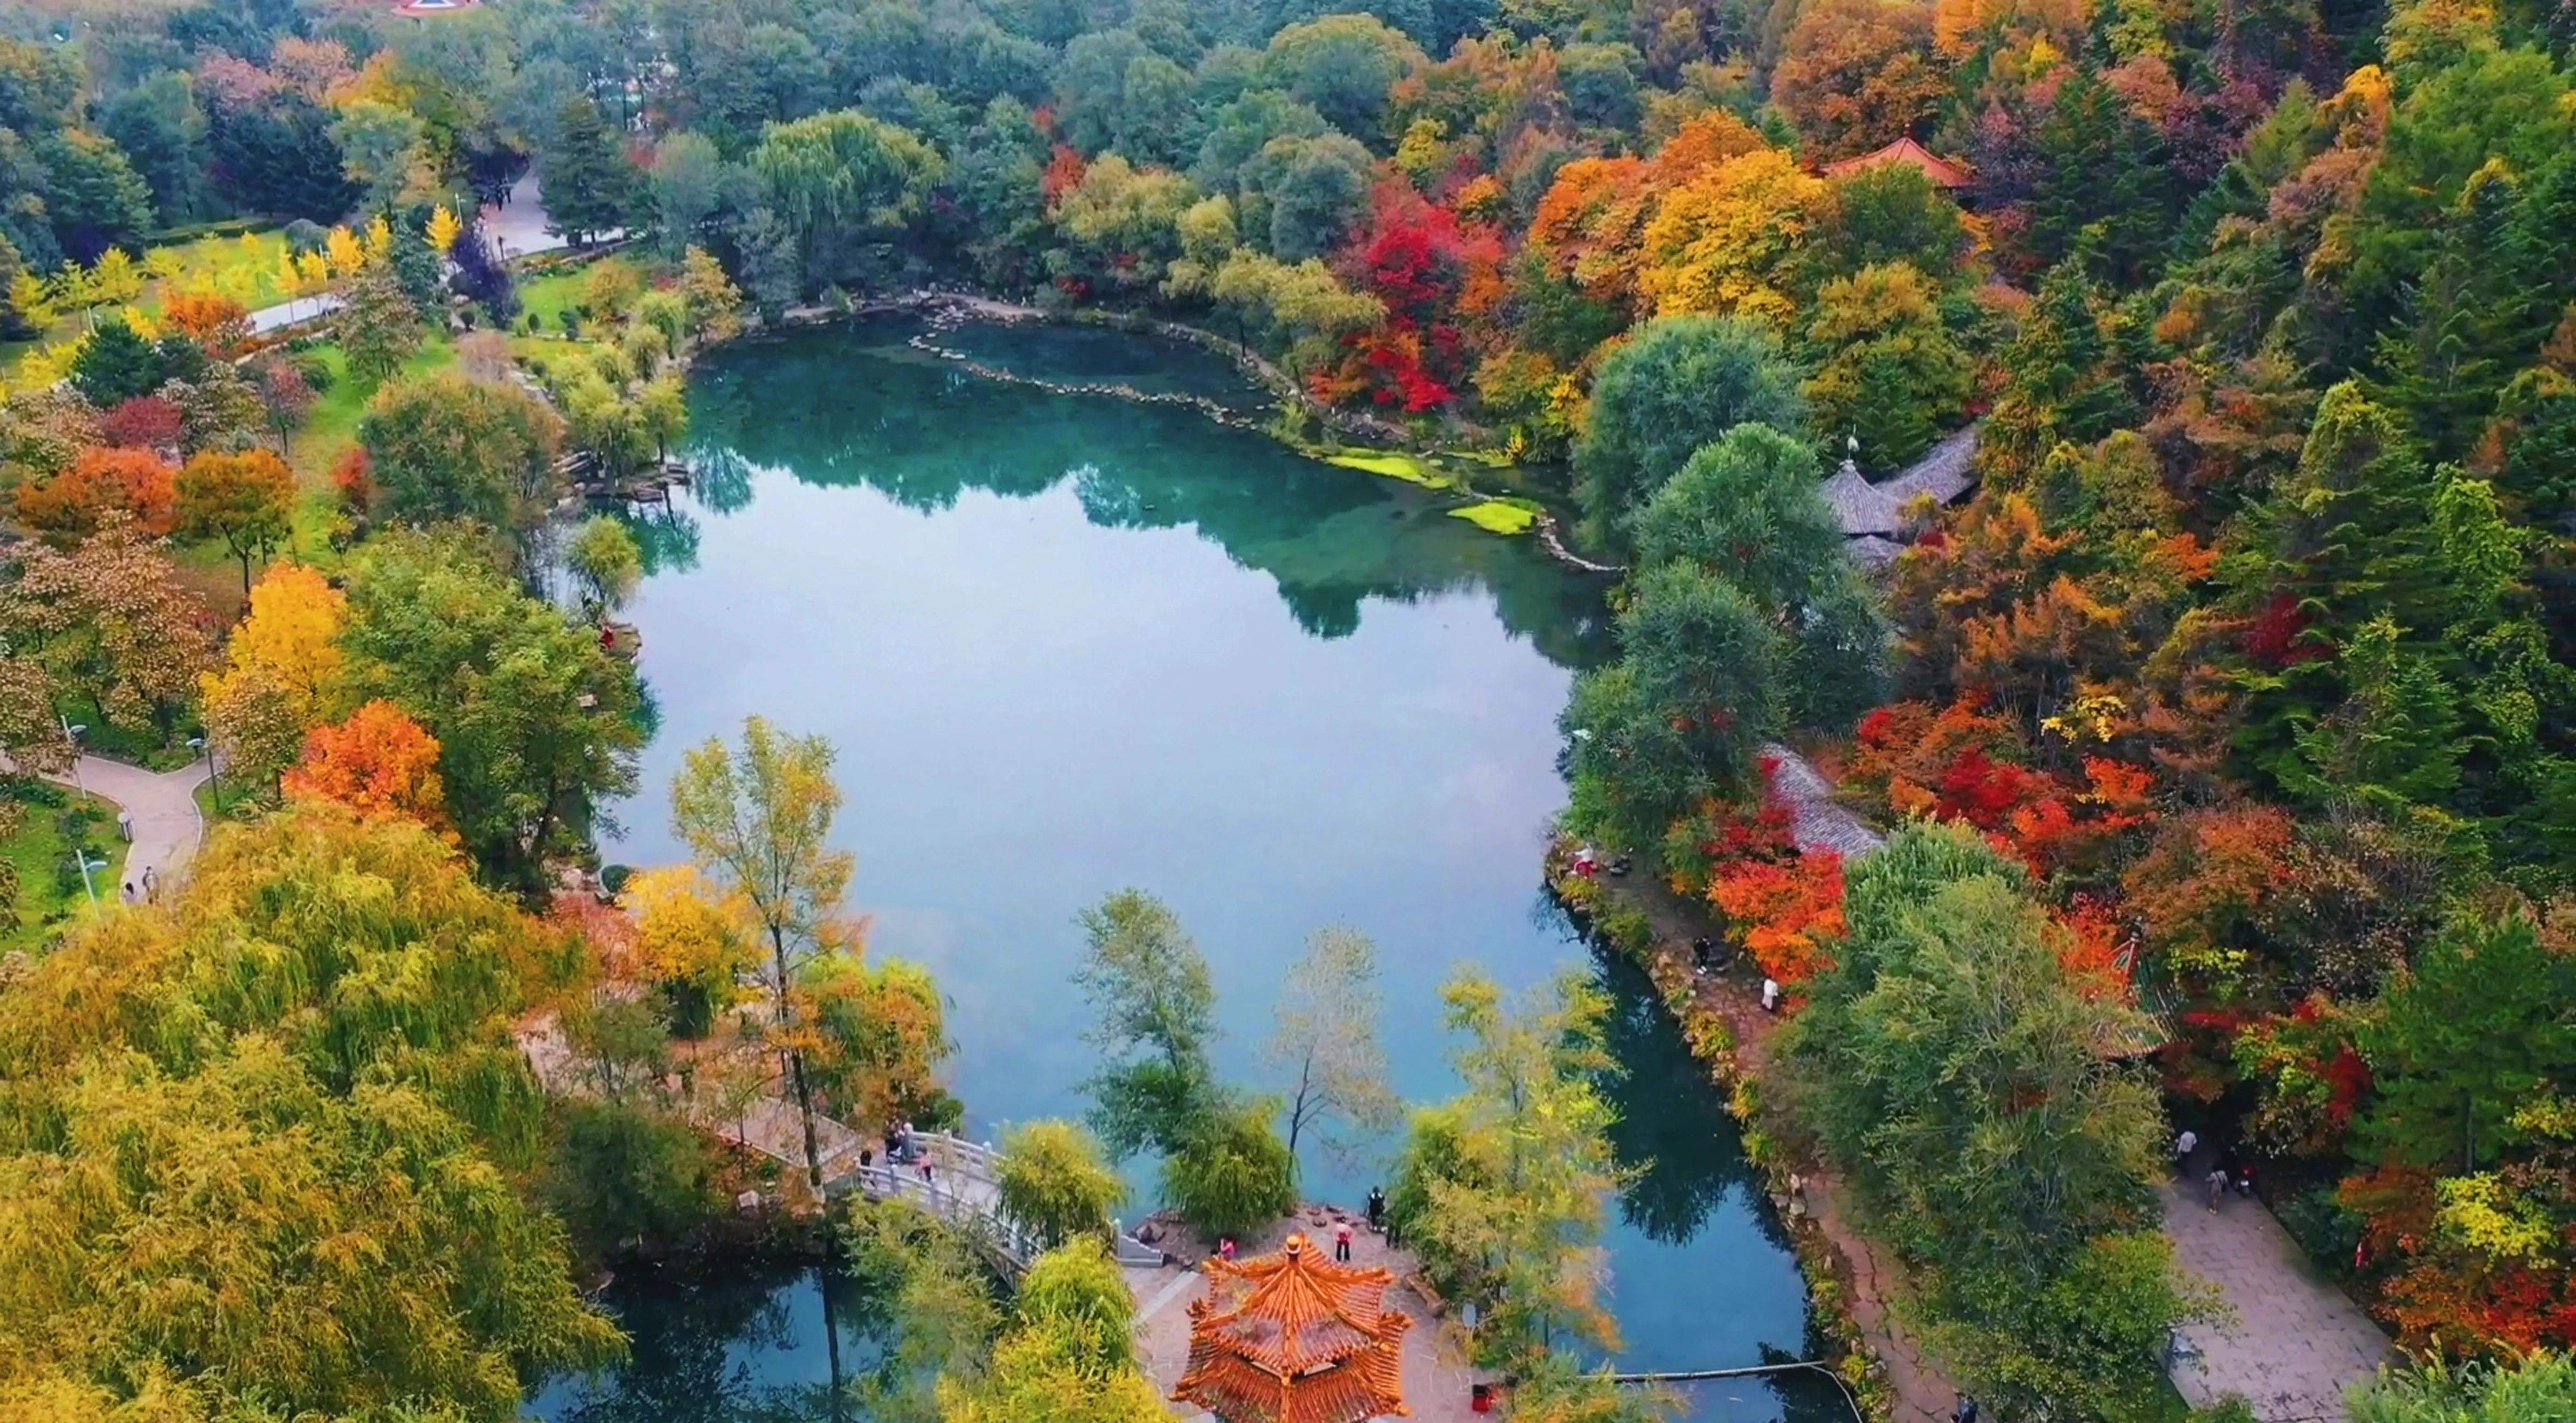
(550, 296)
(329, 429)
(244, 268)
(49, 884)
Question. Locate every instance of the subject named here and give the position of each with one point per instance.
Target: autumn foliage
(74, 503)
(378, 762)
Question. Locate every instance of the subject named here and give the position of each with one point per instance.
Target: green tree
(605, 561)
(379, 144)
(1154, 1006)
(537, 725)
(842, 180)
(1325, 1038)
(689, 181)
(1056, 1180)
(589, 184)
(1887, 371)
(447, 446)
(1231, 1175)
(1747, 508)
(1679, 383)
(1683, 713)
(1068, 1357)
(2466, 1035)
(116, 365)
(1342, 65)
(2542, 1385)
(1979, 1097)
(93, 197)
(379, 328)
(1502, 1190)
(760, 822)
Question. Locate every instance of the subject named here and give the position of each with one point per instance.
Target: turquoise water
(1065, 645)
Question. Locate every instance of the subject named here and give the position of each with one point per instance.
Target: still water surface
(1069, 644)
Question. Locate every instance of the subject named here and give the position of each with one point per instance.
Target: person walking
(1377, 1210)
(1770, 995)
(1342, 1242)
(2216, 1180)
(125, 826)
(2184, 1145)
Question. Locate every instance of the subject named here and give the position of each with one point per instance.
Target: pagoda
(1292, 1338)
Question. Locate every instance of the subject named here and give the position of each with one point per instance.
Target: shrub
(1056, 1181)
(1233, 1175)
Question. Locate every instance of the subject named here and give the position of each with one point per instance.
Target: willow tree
(299, 1085)
(760, 822)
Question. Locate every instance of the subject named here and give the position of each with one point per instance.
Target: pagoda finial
(1293, 1338)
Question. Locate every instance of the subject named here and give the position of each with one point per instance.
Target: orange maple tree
(73, 504)
(378, 762)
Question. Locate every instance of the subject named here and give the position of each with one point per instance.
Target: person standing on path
(1770, 995)
(1342, 1242)
(2216, 1181)
(1377, 1210)
(125, 826)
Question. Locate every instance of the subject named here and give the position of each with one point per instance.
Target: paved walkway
(167, 827)
(2296, 1341)
(518, 228)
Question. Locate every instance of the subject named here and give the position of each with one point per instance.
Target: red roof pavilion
(1291, 1338)
(1941, 171)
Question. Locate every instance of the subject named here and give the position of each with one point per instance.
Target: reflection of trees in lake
(731, 1348)
(855, 407)
(1673, 1130)
(666, 535)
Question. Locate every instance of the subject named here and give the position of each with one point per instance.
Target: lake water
(1066, 645)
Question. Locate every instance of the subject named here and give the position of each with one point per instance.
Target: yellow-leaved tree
(1724, 241)
(443, 230)
(281, 673)
(691, 939)
(327, 1179)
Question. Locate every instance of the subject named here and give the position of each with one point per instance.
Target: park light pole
(73, 731)
(81, 857)
(213, 776)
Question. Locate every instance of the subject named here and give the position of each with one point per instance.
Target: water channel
(1067, 644)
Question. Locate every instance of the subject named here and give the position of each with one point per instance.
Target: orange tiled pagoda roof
(1942, 172)
(1291, 1338)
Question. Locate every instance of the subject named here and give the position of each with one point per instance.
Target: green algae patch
(1394, 465)
(1497, 516)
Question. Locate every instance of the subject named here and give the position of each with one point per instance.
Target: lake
(1066, 645)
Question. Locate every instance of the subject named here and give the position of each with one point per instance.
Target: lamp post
(213, 776)
(81, 857)
(73, 731)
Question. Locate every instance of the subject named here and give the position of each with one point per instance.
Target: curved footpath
(163, 804)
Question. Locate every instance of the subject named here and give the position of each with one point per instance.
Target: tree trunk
(796, 1067)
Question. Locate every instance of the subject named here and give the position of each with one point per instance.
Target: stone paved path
(2296, 1342)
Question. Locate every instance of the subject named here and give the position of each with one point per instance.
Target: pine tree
(588, 183)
